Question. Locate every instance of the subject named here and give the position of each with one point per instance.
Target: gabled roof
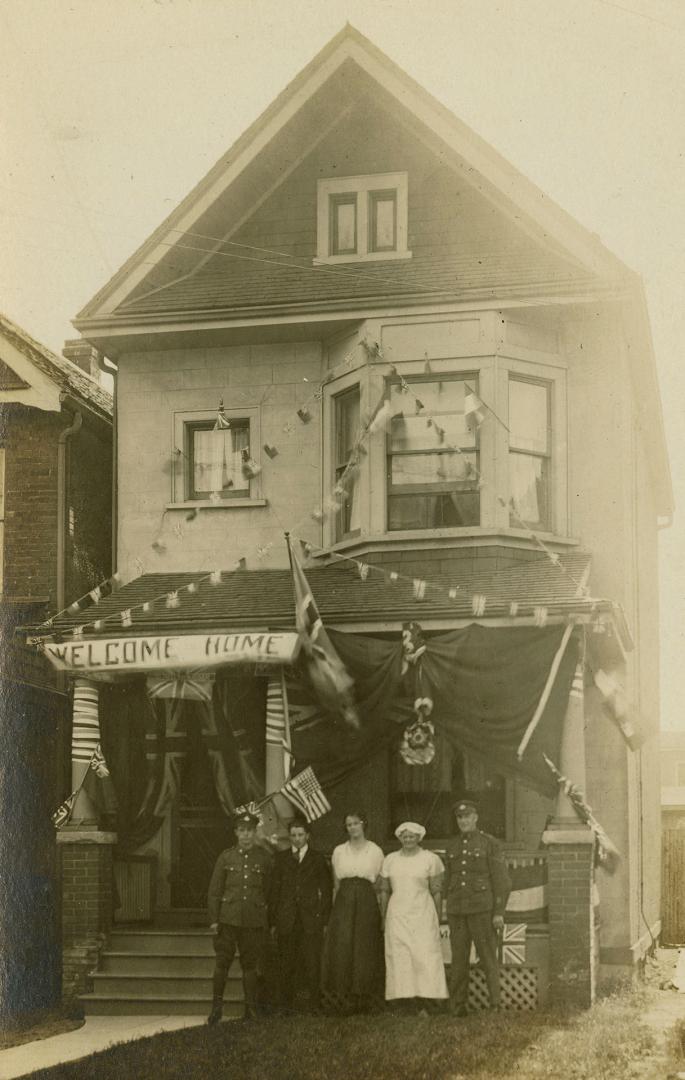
(271, 148)
(254, 599)
(66, 376)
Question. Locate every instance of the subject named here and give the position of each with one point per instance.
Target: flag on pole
(63, 813)
(474, 410)
(305, 793)
(98, 786)
(328, 674)
(616, 705)
(606, 850)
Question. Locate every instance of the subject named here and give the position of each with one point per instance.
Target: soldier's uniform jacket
(476, 875)
(240, 887)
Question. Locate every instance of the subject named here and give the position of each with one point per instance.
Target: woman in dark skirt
(354, 947)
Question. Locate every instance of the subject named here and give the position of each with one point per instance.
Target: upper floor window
(346, 437)
(529, 453)
(216, 463)
(361, 218)
(432, 456)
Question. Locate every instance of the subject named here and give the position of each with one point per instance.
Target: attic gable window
(362, 218)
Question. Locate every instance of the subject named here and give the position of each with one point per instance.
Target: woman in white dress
(354, 945)
(411, 896)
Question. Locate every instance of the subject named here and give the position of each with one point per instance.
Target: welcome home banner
(106, 656)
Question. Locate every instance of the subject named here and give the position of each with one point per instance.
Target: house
(366, 329)
(55, 543)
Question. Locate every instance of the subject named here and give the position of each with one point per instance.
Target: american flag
(304, 792)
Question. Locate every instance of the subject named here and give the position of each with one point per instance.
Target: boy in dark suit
(300, 905)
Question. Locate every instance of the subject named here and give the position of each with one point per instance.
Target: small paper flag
(270, 451)
(419, 588)
(126, 618)
(172, 600)
(304, 414)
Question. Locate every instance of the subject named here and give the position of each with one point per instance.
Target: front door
(200, 828)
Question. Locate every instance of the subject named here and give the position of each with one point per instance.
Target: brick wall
(30, 439)
(87, 878)
(571, 930)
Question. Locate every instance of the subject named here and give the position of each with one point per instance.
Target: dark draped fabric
(146, 744)
(485, 684)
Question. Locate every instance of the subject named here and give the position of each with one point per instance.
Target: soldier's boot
(217, 1011)
(251, 987)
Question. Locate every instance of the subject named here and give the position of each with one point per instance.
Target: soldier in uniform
(238, 913)
(477, 888)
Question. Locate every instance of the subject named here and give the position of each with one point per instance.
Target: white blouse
(363, 862)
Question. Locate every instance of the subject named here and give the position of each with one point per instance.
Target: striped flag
(328, 674)
(85, 734)
(278, 749)
(304, 792)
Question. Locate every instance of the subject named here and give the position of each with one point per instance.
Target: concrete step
(106, 1005)
(143, 963)
(161, 986)
(182, 942)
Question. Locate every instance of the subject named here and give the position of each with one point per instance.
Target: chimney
(84, 355)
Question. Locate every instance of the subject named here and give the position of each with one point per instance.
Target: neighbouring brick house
(386, 341)
(55, 544)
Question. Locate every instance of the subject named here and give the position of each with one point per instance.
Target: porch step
(159, 972)
(152, 964)
(182, 942)
(161, 986)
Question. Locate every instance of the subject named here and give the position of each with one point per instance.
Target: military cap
(244, 817)
(465, 806)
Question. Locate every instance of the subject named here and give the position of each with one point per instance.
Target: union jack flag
(328, 674)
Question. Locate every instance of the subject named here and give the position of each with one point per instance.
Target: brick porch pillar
(87, 908)
(570, 861)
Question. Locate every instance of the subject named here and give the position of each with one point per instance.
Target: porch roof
(258, 599)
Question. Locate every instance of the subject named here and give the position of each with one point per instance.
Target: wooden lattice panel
(518, 989)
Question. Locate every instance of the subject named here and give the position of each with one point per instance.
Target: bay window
(529, 453)
(432, 456)
(347, 416)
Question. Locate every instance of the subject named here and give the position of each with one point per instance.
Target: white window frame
(493, 373)
(180, 485)
(363, 187)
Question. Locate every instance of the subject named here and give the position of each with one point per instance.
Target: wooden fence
(673, 886)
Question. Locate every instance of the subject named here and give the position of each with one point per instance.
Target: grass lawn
(39, 1025)
(607, 1043)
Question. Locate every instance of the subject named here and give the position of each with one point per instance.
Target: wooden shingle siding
(459, 241)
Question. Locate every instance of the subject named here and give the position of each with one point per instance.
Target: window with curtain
(529, 453)
(347, 412)
(432, 456)
(215, 460)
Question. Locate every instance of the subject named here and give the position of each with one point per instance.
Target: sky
(111, 112)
